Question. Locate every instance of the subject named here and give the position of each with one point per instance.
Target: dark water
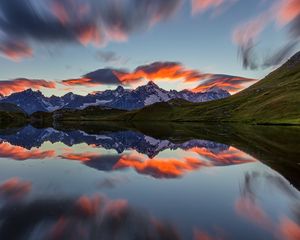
(172, 182)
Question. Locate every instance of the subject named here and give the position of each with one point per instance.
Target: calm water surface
(128, 185)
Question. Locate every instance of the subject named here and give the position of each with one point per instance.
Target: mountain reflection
(128, 184)
(134, 150)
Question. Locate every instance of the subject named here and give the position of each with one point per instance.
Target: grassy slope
(11, 115)
(87, 114)
(273, 100)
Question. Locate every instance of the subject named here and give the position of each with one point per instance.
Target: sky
(84, 46)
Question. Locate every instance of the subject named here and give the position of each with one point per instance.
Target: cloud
(284, 13)
(76, 21)
(8, 87)
(200, 6)
(110, 57)
(226, 82)
(101, 76)
(289, 229)
(202, 235)
(157, 71)
(288, 11)
(160, 71)
(154, 71)
(15, 50)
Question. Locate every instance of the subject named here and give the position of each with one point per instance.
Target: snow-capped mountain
(120, 98)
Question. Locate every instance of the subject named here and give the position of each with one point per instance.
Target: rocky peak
(120, 89)
(216, 90)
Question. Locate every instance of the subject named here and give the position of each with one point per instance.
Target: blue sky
(202, 41)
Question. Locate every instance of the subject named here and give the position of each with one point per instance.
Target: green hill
(11, 115)
(273, 100)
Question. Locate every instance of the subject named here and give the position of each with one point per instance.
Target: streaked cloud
(161, 71)
(8, 87)
(283, 13)
(289, 229)
(226, 82)
(110, 57)
(82, 22)
(217, 6)
(152, 72)
(157, 71)
(104, 76)
(15, 50)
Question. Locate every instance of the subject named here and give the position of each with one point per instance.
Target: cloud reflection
(250, 206)
(14, 189)
(19, 153)
(85, 217)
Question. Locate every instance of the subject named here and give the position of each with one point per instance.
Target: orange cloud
(17, 85)
(14, 188)
(80, 81)
(289, 229)
(60, 12)
(203, 5)
(159, 71)
(229, 83)
(15, 50)
(90, 34)
(251, 30)
(18, 153)
(202, 235)
(288, 10)
(76, 21)
(282, 12)
(217, 6)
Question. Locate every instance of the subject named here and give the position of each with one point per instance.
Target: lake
(175, 181)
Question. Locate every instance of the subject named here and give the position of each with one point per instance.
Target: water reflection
(145, 154)
(128, 185)
(95, 217)
(250, 205)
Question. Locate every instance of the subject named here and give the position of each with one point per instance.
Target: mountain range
(273, 100)
(120, 98)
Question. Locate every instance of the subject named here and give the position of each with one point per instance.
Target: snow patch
(97, 103)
